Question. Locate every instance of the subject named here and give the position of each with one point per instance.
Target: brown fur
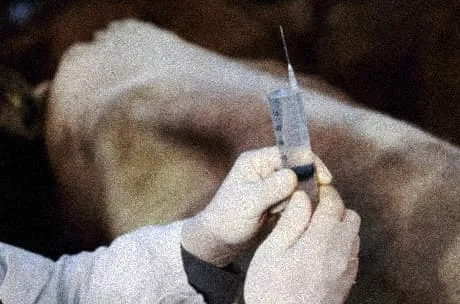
(397, 57)
(143, 131)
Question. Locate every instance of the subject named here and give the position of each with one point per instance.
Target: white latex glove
(229, 224)
(304, 261)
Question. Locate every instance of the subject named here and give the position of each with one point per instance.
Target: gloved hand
(307, 261)
(231, 221)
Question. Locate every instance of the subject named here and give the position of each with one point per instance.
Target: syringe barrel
(290, 127)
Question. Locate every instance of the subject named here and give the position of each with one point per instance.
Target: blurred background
(398, 57)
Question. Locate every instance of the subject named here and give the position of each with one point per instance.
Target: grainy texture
(400, 57)
(142, 127)
(28, 196)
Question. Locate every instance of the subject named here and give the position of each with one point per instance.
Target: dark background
(399, 57)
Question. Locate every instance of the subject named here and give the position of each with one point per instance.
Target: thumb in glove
(307, 259)
(238, 211)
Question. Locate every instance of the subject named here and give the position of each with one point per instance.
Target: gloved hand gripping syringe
(290, 125)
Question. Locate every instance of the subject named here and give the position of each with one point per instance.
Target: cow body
(142, 128)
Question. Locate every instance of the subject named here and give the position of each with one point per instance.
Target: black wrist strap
(217, 285)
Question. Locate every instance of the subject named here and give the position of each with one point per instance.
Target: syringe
(289, 120)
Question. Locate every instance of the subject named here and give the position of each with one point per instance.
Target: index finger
(260, 163)
(325, 220)
(323, 175)
(330, 210)
(330, 203)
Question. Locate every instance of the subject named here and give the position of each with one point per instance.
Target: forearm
(142, 267)
(26, 277)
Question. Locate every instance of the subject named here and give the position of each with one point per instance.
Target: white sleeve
(144, 266)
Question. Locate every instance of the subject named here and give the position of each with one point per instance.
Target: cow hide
(142, 127)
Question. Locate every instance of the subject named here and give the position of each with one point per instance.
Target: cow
(142, 127)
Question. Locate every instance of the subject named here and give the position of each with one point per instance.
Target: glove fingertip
(330, 203)
(300, 206)
(282, 183)
(323, 175)
(294, 220)
(352, 217)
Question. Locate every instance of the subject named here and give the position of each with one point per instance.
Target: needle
(291, 76)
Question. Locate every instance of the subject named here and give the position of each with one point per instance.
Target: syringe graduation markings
(289, 123)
